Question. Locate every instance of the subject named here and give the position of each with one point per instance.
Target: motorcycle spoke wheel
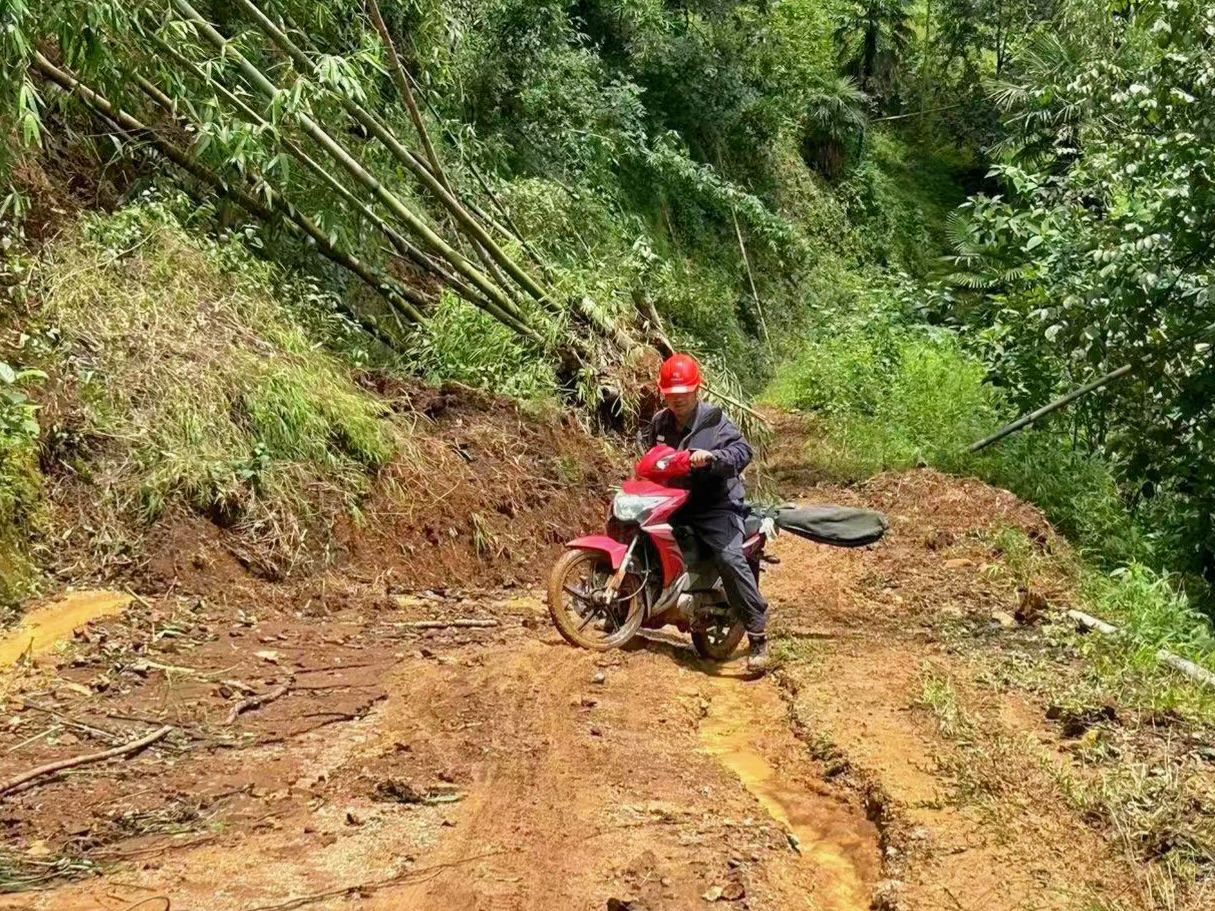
(579, 608)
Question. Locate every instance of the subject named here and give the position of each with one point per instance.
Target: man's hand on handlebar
(702, 458)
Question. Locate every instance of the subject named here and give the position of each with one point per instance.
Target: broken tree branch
(449, 624)
(89, 759)
(71, 722)
(1194, 671)
(256, 702)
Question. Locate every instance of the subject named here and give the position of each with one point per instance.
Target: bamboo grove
(305, 117)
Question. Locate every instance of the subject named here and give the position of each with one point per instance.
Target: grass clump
(939, 696)
(1151, 613)
(20, 496)
(468, 346)
(185, 379)
(888, 397)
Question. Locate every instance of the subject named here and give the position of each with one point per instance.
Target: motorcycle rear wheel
(718, 642)
(595, 627)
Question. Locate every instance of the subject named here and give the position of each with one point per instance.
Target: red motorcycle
(647, 572)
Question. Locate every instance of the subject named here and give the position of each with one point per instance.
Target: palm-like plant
(873, 37)
(1040, 113)
(833, 122)
(982, 261)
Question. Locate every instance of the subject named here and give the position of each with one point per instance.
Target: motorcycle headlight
(629, 507)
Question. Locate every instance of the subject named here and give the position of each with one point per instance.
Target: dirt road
(497, 768)
(572, 778)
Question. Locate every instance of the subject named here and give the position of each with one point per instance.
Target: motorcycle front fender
(614, 549)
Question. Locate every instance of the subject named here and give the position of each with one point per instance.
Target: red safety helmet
(680, 373)
(663, 464)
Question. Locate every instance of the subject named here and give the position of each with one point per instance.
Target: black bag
(839, 526)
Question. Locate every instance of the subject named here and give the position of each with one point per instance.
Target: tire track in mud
(559, 811)
(745, 730)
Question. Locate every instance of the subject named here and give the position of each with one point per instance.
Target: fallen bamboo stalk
(463, 217)
(403, 298)
(1091, 622)
(1124, 370)
(503, 308)
(417, 303)
(126, 124)
(511, 230)
(449, 624)
(759, 307)
(1164, 656)
(257, 702)
(741, 406)
(402, 81)
(89, 759)
(399, 242)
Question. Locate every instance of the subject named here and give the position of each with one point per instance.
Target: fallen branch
(759, 307)
(1084, 390)
(52, 767)
(256, 702)
(449, 624)
(1090, 622)
(741, 406)
(147, 901)
(1164, 656)
(71, 722)
(374, 886)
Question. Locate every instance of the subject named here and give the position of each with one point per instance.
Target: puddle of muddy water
(839, 843)
(41, 629)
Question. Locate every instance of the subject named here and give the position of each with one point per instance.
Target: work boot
(759, 659)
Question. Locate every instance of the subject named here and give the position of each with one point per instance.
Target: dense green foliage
(1099, 252)
(19, 432)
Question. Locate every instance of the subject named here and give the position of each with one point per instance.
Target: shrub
(889, 397)
(468, 346)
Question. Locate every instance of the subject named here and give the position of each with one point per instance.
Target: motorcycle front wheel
(578, 605)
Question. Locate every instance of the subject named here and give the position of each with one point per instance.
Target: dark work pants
(721, 532)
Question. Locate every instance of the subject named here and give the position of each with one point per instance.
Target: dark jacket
(720, 485)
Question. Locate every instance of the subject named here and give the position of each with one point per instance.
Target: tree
(1103, 247)
(873, 38)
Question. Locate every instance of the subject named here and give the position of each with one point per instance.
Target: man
(714, 509)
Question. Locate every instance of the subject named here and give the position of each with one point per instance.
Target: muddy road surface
(496, 768)
(349, 746)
